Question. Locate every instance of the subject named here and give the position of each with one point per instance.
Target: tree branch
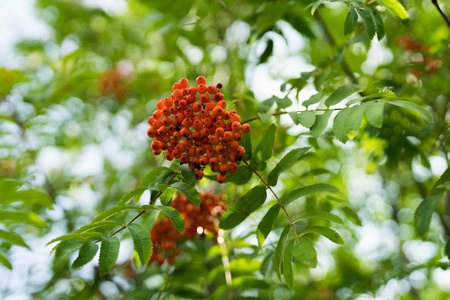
(447, 20)
(278, 199)
(143, 211)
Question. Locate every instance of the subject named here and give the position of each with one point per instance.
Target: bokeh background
(78, 80)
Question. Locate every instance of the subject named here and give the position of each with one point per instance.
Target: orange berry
(169, 156)
(223, 158)
(210, 153)
(204, 98)
(197, 125)
(232, 167)
(201, 88)
(236, 126)
(155, 145)
(192, 90)
(214, 161)
(160, 105)
(177, 94)
(217, 111)
(223, 168)
(214, 139)
(240, 151)
(157, 152)
(176, 86)
(212, 89)
(200, 151)
(184, 82)
(196, 107)
(218, 97)
(215, 168)
(245, 128)
(221, 178)
(237, 136)
(210, 105)
(235, 118)
(201, 80)
(220, 149)
(198, 174)
(184, 158)
(157, 114)
(222, 104)
(220, 131)
(204, 160)
(227, 136)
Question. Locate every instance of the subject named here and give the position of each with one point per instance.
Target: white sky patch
(378, 55)
(89, 163)
(112, 7)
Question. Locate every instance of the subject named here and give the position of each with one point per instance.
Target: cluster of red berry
(199, 221)
(199, 133)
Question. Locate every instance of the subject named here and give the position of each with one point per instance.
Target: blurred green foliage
(73, 143)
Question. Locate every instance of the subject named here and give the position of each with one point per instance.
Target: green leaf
(378, 23)
(249, 283)
(28, 196)
(267, 52)
(4, 261)
(265, 147)
(447, 248)
(397, 8)
(189, 191)
(341, 93)
(142, 242)
(109, 252)
(128, 196)
(112, 212)
(243, 207)
(422, 216)
(187, 174)
(21, 217)
(167, 195)
(307, 118)
(283, 102)
(339, 125)
(86, 254)
(241, 176)
(329, 233)
(279, 250)
(316, 5)
(66, 247)
(265, 118)
(321, 123)
(445, 177)
(305, 252)
(350, 21)
(368, 22)
(307, 190)
(173, 214)
(246, 142)
(13, 238)
(294, 117)
(153, 175)
(265, 226)
(353, 120)
(266, 263)
(312, 100)
(412, 106)
(95, 225)
(374, 113)
(287, 265)
(320, 215)
(351, 215)
(285, 163)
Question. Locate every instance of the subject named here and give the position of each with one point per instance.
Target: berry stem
(278, 199)
(286, 112)
(143, 211)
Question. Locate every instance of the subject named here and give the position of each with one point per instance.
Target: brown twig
(143, 211)
(286, 112)
(447, 20)
(278, 199)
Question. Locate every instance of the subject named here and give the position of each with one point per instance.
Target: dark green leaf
(445, 177)
(266, 263)
(142, 242)
(305, 252)
(265, 118)
(285, 163)
(397, 8)
(353, 120)
(351, 215)
(307, 190)
(374, 113)
(321, 123)
(339, 125)
(4, 261)
(341, 93)
(187, 174)
(287, 265)
(21, 217)
(128, 196)
(320, 215)
(329, 233)
(241, 176)
(368, 22)
(246, 142)
(109, 252)
(378, 23)
(189, 191)
(283, 102)
(111, 212)
(266, 223)
(173, 214)
(265, 147)
(243, 207)
(350, 21)
(86, 254)
(294, 117)
(307, 118)
(279, 251)
(447, 248)
(96, 225)
(412, 106)
(267, 52)
(13, 238)
(66, 247)
(422, 216)
(312, 100)
(167, 195)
